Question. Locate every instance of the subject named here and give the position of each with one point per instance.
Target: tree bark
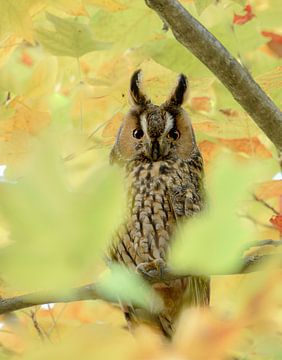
(197, 39)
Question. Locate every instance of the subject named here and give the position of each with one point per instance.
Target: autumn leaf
(271, 80)
(109, 5)
(275, 42)
(110, 130)
(26, 59)
(269, 189)
(202, 103)
(16, 19)
(70, 38)
(209, 150)
(277, 221)
(7, 46)
(243, 19)
(43, 79)
(249, 146)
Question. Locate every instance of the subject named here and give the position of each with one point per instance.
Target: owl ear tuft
(180, 93)
(136, 95)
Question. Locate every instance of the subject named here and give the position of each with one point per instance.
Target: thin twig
(36, 324)
(263, 202)
(255, 221)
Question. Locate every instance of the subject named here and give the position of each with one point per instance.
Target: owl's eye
(173, 134)
(138, 133)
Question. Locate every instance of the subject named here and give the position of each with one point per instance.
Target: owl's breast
(151, 219)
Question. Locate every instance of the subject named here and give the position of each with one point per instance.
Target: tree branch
(197, 39)
(90, 292)
(86, 292)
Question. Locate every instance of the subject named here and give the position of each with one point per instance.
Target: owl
(156, 146)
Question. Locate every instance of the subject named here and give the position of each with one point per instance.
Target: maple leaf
(275, 43)
(243, 19)
(70, 38)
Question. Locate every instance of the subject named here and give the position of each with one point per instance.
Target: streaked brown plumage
(164, 169)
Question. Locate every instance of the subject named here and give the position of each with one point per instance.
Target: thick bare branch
(87, 292)
(196, 38)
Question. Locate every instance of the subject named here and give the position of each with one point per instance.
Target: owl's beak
(155, 150)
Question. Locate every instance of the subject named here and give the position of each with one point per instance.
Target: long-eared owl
(164, 169)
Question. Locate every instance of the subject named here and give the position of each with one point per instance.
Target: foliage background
(64, 73)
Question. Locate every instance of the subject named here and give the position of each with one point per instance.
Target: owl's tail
(178, 294)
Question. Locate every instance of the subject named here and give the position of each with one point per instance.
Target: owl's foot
(153, 271)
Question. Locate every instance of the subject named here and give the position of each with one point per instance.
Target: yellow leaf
(109, 5)
(43, 78)
(17, 130)
(71, 7)
(6, 47)
(110, 130)
(15, 18)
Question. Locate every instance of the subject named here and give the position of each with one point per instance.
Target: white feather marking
(144, 123)
(169, 122)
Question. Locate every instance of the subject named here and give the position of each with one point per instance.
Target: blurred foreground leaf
(128, 287)
(57, 233)
(212, 243)
(97, 341)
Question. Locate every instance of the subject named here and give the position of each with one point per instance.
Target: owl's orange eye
(173, 134)
(138, 133)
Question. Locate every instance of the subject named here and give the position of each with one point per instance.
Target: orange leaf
(277, 222)
(243, 19)
(275, 43)
(202, 103)
(26, 59)
(250, 146)
(269, 189)
(208, 150)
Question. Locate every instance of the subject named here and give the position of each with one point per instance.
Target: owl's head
(153, 133)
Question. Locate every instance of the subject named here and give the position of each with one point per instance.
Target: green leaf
(58, 232)
(201, 5)
(213, 243)
(70, 38)
(240, 2)
(124, 285)
(128, 28)
(171, 54)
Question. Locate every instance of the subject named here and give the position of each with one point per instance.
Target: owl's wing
(187, 198)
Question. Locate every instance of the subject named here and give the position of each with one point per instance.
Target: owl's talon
(152, 270)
